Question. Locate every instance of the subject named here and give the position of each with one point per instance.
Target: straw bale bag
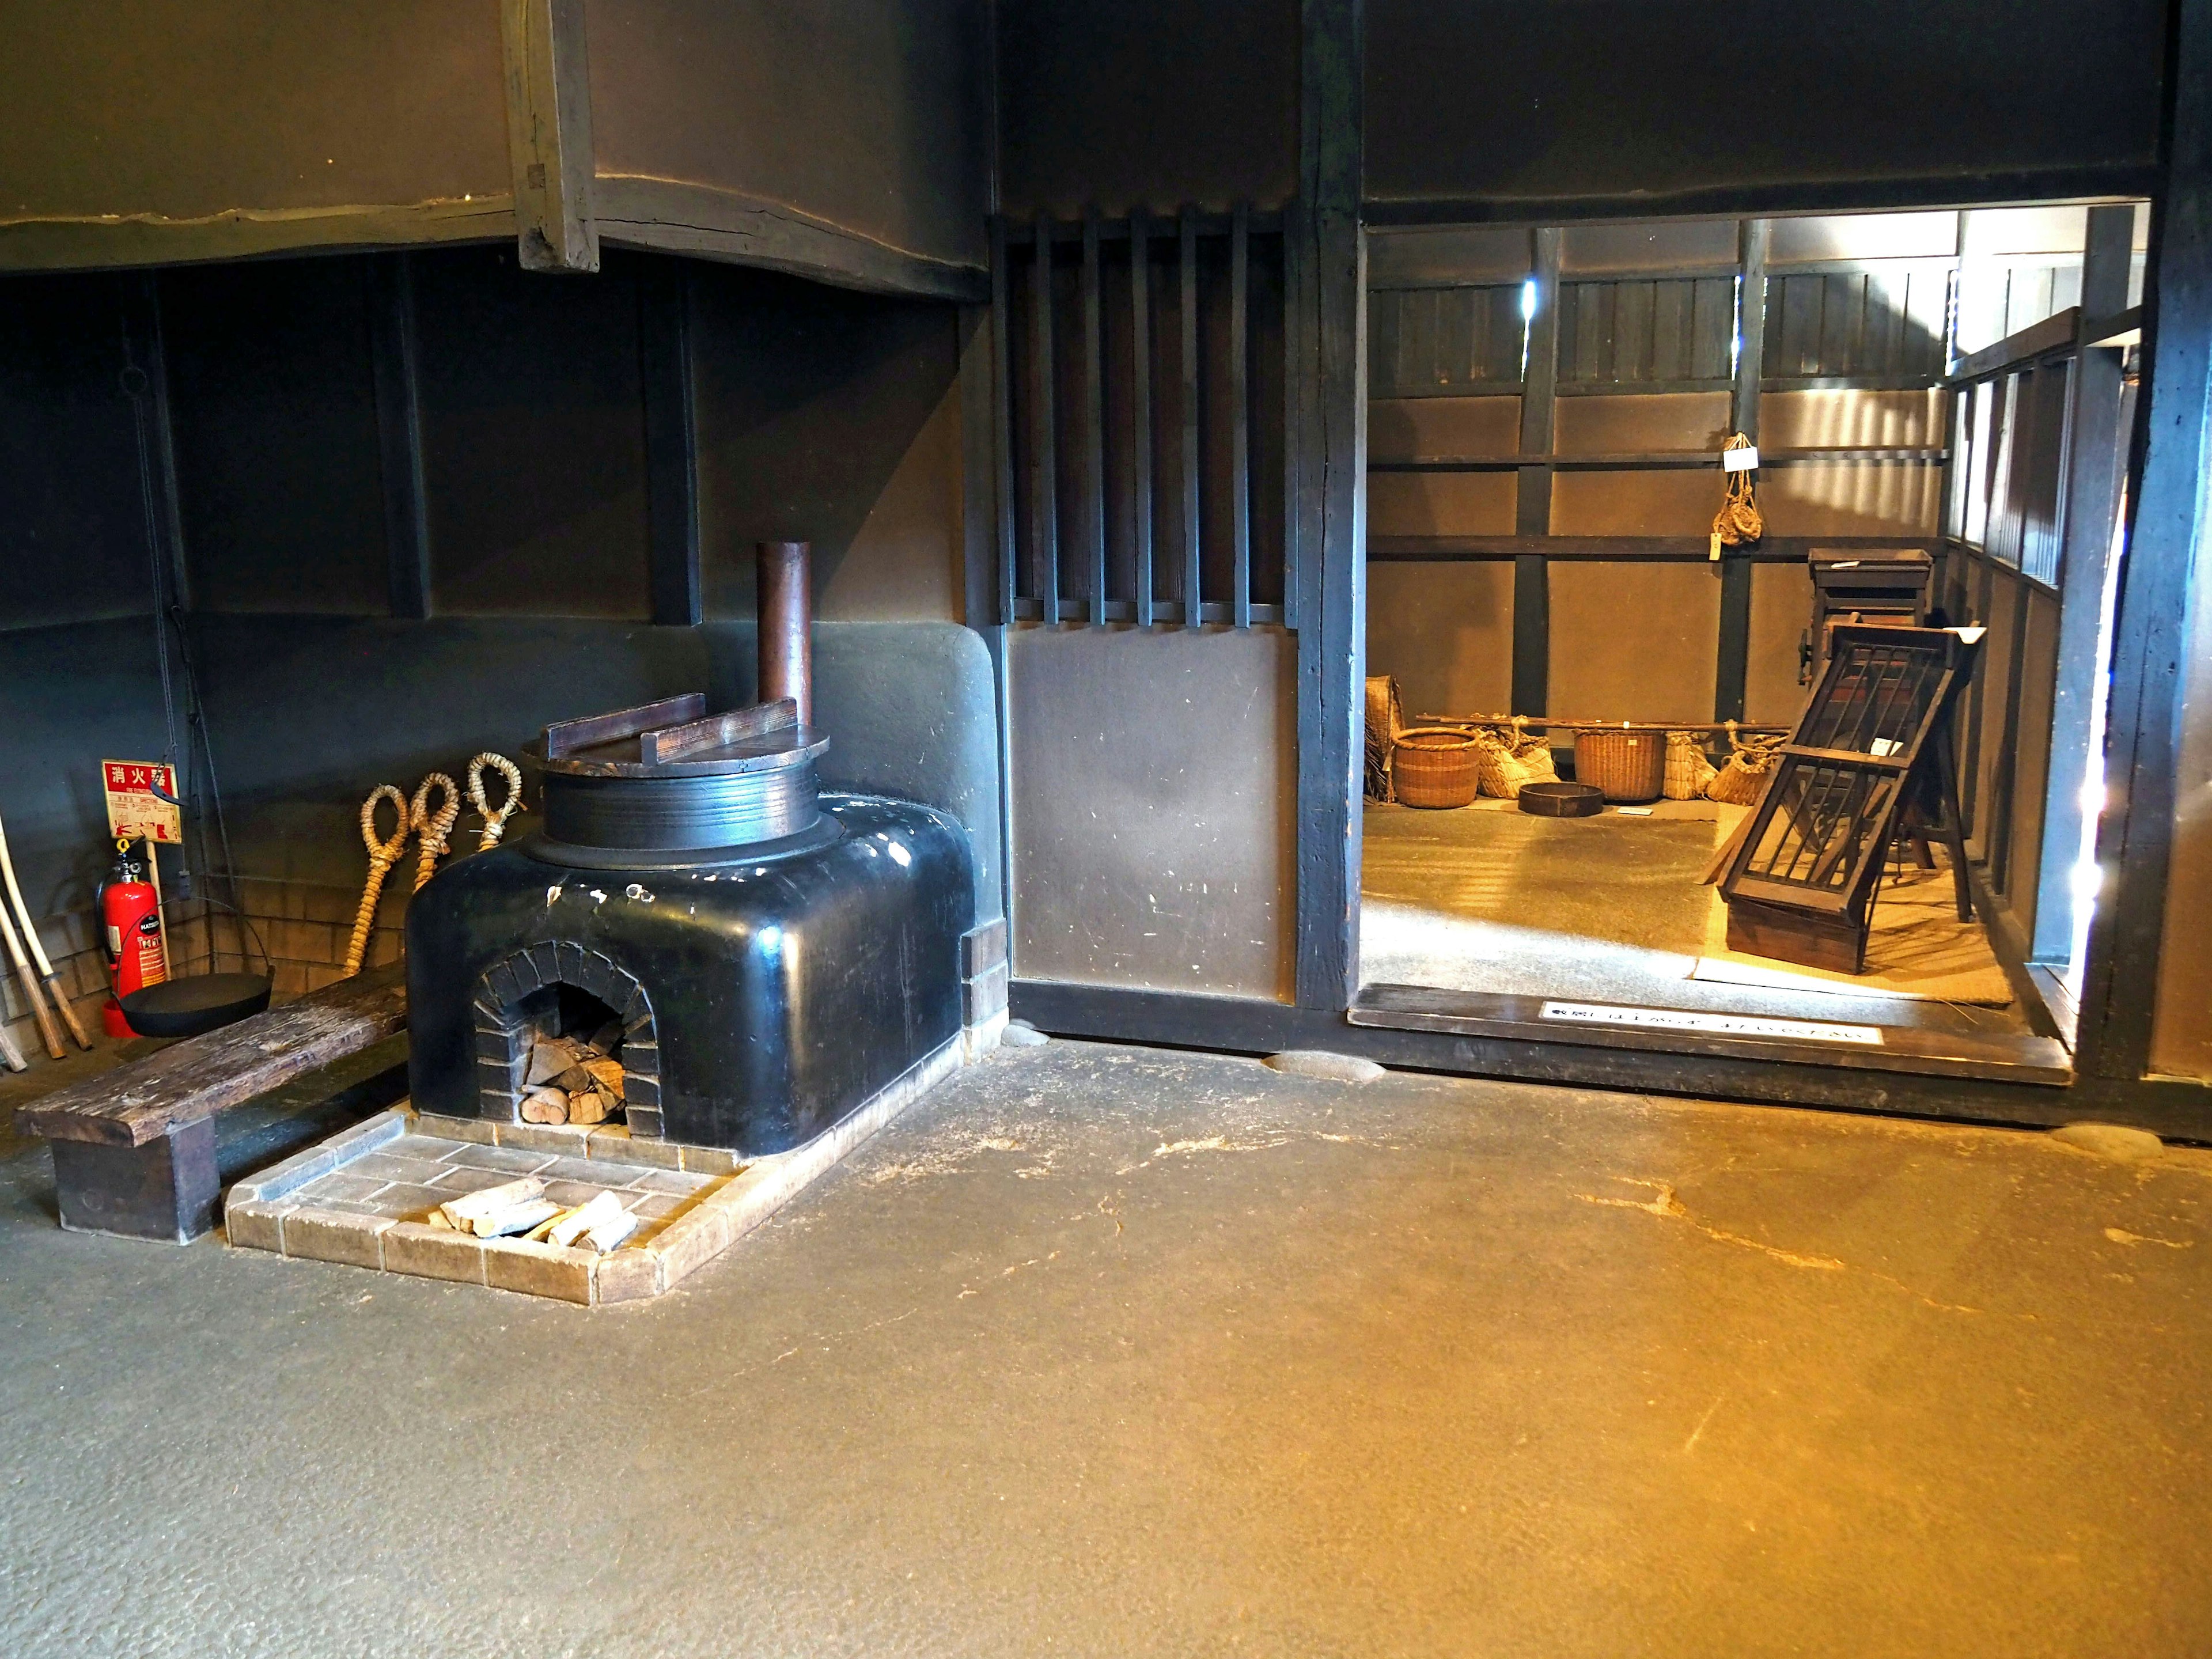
(1509, 757)
(1689, 771)
(1741, 781)
(1435, 766)
(1386, 722)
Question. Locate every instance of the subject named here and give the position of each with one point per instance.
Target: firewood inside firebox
(574, 1080)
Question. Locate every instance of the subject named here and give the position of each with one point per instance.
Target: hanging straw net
(1386, 722)
(1508, 757)
(1689, 771)
(1738, 522)
(1740, 781)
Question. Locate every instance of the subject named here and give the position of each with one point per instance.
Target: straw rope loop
(433, 826)
(382, 855)
(494, 823)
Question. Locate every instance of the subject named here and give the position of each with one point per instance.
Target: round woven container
(1434, 766)
(1561, 800)
(1625, 766)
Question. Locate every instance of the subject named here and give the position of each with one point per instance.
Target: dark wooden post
(1532, 512)
(549, 133)
(1732, 667)
(2165, 560)
(1328, 451)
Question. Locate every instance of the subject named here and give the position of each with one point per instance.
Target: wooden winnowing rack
(1871, 762)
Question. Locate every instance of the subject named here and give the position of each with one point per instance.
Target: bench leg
(165, 1189)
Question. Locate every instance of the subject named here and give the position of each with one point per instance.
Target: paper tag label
(133, 809)
(1715, 552)
(1739, 460)
(1677, 1020)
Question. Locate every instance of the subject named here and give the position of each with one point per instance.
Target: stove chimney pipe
(786, 613)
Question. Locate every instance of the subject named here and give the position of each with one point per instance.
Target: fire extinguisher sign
(134, 809)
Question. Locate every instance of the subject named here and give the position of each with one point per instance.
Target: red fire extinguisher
(130, 911)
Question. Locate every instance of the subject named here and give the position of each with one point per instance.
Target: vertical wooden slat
(1670, 330)
(1240, 433)
(1713, 326)
(1732, 661)
(1044, 472)
(1188, 295)
(979, 479)
(1002, 429)
(1419, 339)
(1532, 588)
(1140, 412)
(1094, 422)
(2096, 459)
(672, 447)
(1631, 330)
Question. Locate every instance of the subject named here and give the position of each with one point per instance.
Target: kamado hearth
(716, 951)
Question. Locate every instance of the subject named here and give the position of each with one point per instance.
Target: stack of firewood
(574, 1080)
(520, 1209)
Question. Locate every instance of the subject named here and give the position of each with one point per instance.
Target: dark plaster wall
(77, 679)
(1147, 103)
(821, 413)
(1502, 101)
(828, 416)
(873, 115)
(275, 414)
(184, 111)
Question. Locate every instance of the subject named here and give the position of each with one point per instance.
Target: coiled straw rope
(382, 855)
(1738, 521)
(433, 826)
(494, 823)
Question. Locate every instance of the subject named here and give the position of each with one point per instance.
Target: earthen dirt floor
(1111, 1351)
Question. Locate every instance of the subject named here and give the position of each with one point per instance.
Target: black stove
(775, 957)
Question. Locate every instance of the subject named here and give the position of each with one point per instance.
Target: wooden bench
(134, 1149)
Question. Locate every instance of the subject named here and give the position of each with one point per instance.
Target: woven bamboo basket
(1434, 766)
(1628, 766)
(1743, 780)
